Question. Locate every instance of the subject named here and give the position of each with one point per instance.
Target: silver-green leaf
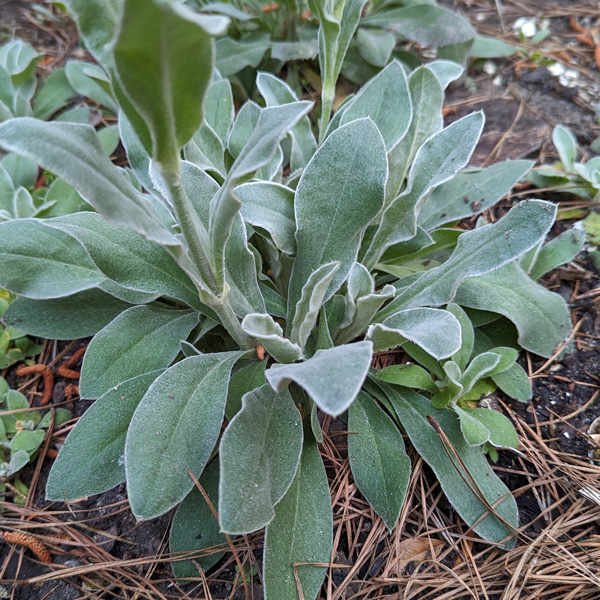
(332, 377)
(175, 428)
(139, 340)
(259, 455)
(379, 463)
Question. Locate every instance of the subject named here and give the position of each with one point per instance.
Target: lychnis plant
(254, 282)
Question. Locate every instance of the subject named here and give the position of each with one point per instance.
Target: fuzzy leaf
(566, 146)
(412, 410)
(514, 383)
(386, 100)
(233, 55)
(436, 161)
(467, 336)
(427, 98)
(301, 532)
(310, 302)
(55, 93)
(502, 431)
(74, 153)
(81, 315)
(375, 46)
(244, 380)
(426, 24)
(163, 55)
(436, 331)
(471, 193)
(541, 316)
(240, 267)
(478, 252)
(276, 91)
(218, 108)
(139, 340)
(473, 430)
(127, 258)
(271, 207)
(92, 460)
(259, 454)
(39, 262)
(97, 22)
(366, 309)
(273, 124)
(340, 191)
(185, 403)
(411, 376)
(379, 463)
(263, 328)
(558, 251)
(332, 377)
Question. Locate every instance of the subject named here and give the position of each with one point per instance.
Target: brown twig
(46, 373)
(22, 539)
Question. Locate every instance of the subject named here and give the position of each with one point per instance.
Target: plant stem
(190, 226)
(327, 96)
(230, 321)
(188, 221)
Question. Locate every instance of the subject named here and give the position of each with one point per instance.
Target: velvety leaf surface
(127, 258)
(514, 382)
(268, 332)
(310, 302)
(276, 91)
(478, 252)
(334, 205)
(240, 267)
(436, 331)
(163, 55)
(412, 410)
(558, 251)
(83, 164)
(195, 527)
(301, 532)
(39, 262)
(379, 463)
(426, 24)
(386, 100)
(427, 98)
(92, 459)
(270, 206)
(244, 380)
(272, 125)
(78, 316)
(175, 428)
(139, 340)
(97, 21)
(541, 316)
(259, 455)
(332, 377)
(435, 162)
(471, 193)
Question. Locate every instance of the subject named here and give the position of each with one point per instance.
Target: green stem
(230, 321)
(327, 97)
(190, 226)
(189, 223)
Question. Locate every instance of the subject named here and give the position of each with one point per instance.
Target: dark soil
(527, 102)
